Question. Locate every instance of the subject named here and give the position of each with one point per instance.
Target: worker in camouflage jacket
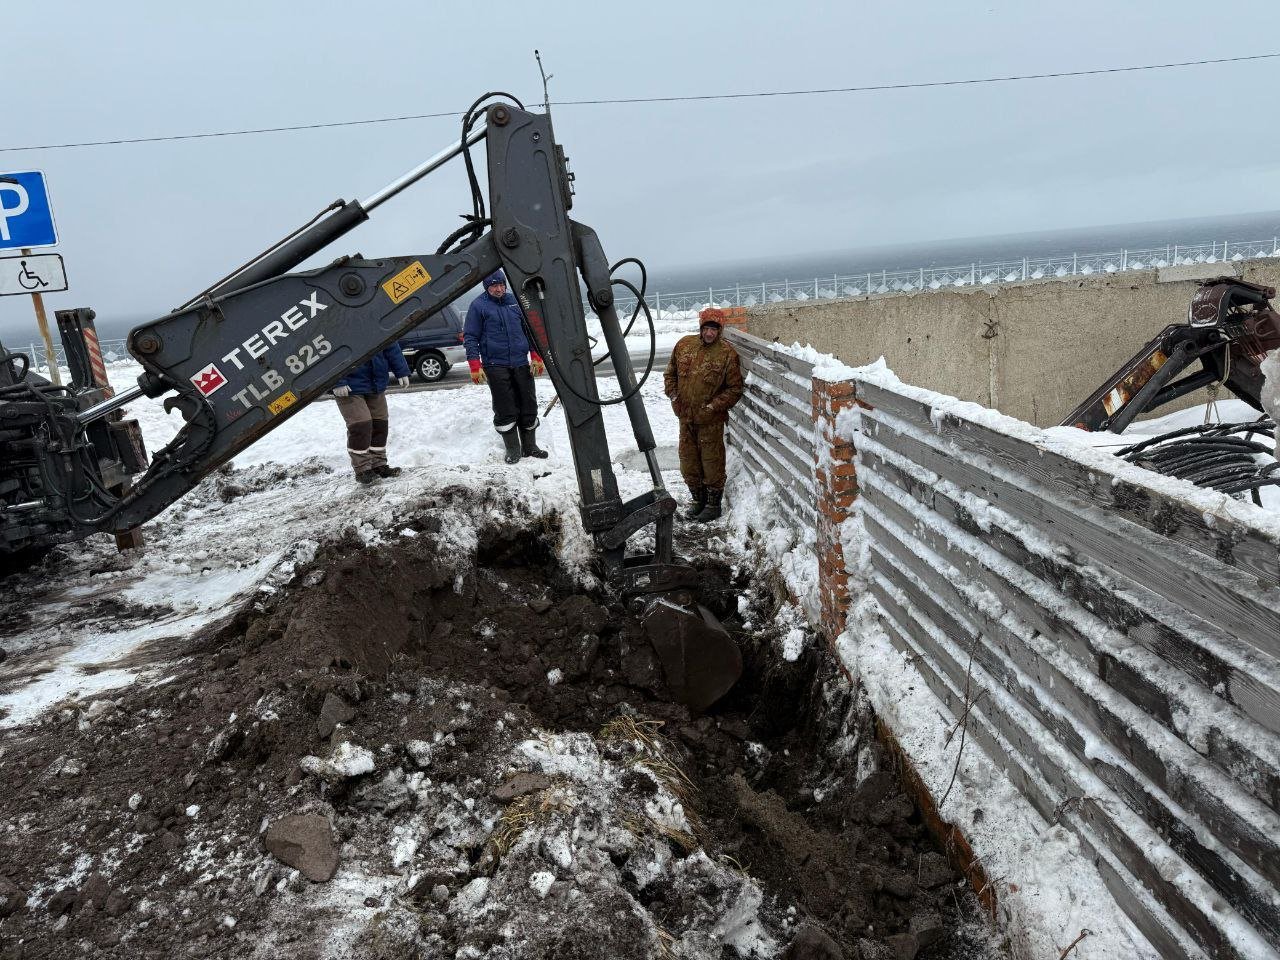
(703, 380)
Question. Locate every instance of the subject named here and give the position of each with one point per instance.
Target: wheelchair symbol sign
(26, 216)
(32, 273)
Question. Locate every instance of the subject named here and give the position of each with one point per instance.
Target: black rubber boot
(712, 510)
(383, 470)
(529, 443)
(367, 477)
(699, 503)
(512, 441)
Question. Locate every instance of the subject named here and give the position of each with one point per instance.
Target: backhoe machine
(245, 355)
(1230, 328)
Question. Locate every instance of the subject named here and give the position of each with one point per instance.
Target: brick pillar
(837, 488)
(729, 317)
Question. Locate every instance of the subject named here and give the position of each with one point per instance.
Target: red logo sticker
(209, 380)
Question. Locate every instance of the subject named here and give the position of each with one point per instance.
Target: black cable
(1214, 456)
(553, 362)
(867, 88)
(476, 220)
(10, 358)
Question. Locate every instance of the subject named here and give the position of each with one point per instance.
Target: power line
(868, 88)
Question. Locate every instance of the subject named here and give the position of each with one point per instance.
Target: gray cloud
(145, 226)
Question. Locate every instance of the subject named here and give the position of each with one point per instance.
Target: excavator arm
(1230, 328)
(249, 353)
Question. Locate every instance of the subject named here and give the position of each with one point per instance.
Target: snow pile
(555, 841)
(758, 524)
(825, 366)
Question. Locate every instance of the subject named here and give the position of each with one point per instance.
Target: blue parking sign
(26, 218)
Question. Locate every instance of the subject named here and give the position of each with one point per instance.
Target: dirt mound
(488, 752)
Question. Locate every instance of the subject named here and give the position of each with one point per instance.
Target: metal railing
(112, 351)
(840, 286)
(978, 273)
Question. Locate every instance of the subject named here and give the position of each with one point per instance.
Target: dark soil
(789, 781)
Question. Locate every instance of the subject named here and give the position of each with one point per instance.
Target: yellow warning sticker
(283, 402)
(399, 287)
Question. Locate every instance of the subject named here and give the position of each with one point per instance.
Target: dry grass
(524, 812)
(665, 943)
(654, 757)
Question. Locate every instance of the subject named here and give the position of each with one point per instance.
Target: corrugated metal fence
(772, 426)
(1112, 646)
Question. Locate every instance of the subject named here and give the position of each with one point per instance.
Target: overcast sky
(145, 226)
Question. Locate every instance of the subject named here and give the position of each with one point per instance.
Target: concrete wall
(1032, 350)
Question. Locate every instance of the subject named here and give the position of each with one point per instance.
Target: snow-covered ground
(215, 546)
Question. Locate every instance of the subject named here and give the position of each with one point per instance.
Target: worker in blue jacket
(362, 401)
(499, 354)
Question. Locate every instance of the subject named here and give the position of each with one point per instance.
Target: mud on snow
(432, 746)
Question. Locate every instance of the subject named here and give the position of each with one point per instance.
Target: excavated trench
(782, 781)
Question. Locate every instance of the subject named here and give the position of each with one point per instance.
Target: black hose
(641, 304)
(476, 219)
(1216, 456)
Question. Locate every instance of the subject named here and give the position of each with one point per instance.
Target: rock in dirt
(540, 605)
(811, 943)
(902, 946)
(935, 871)
(117, 904)
(927, 927)
(11, 897)
(522, 783)
(304, 842)
(95, 890)
(333, 711)
(61, 902)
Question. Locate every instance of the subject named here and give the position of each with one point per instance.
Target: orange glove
(477, 372)
(536, 364)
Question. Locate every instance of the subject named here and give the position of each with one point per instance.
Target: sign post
(26, 221)
(42, 322)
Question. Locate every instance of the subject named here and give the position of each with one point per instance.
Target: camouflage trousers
(702, 455)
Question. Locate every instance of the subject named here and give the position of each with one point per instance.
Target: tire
(431, 366)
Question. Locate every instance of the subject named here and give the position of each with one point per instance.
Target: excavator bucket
(699, 658)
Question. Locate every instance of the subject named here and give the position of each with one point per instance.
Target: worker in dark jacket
(362, 401)
(499, 354)
(703, 380)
